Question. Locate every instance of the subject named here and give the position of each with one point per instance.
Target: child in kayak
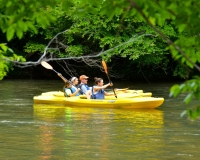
(73, 90)
(69, 91)
(74, 81)
(97, 91)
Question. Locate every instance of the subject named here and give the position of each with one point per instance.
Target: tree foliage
(131, 39)
(185, 15)
(112, 24)
(18, 17)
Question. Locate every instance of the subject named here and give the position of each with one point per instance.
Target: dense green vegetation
(150, 34)
(92, 33)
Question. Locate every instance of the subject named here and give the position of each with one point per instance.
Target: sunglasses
(85, 79)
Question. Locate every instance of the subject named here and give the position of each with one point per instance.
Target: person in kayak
(97, 91)
(74, 88)
(84, 88)
(69, 91)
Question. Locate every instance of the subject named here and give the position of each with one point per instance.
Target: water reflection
(48, 127)
(93, 132)
(28, 132)
(44, 111)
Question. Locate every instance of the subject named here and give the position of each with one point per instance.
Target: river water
(55, 132)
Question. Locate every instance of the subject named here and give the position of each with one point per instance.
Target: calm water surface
(54, 132)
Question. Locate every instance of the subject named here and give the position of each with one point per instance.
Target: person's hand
(111, 84)
(78, 89)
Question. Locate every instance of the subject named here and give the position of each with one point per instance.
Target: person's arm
(96, 88)
(73, 94)
(83, 89)
(108, 94)
(60, 75)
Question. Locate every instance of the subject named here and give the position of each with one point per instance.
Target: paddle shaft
(48, 66)
(55, 71)
(60, 75)
(111, 82)
(106, 71)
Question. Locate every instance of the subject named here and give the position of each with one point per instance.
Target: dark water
(54, 132)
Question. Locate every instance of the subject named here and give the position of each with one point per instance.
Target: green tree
(131, 38)
(18, 17)
(183, 15)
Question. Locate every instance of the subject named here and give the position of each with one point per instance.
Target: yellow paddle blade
(105, 66)
(46, 65)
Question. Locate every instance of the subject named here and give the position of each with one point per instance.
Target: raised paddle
(106, 70)
(48, 66)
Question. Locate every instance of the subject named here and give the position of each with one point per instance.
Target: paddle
(48, 66)
(105, 68)
(122, 89)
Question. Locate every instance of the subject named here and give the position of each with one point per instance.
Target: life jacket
(65, 92)
(74, 89)
(80, 86)
(98, 95)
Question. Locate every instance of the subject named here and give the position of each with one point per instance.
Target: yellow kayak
(58, 98)
(129, 94)
(126, 103)
(137, 102)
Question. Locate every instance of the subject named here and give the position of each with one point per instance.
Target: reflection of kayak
(151, 118)
(137, 102)
(49, 111)
(139, 127)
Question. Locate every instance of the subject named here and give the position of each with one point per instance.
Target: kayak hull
(137, 102)
(57, 97)
(131, 99)
(126, 103)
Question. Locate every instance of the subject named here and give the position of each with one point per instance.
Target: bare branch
(92, 59)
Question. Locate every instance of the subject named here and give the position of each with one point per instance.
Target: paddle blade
(46, 65)
(105, 66)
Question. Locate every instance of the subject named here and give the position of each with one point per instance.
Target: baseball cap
(83, 77)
